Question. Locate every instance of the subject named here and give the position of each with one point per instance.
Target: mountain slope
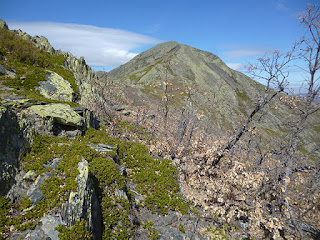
(221, 94)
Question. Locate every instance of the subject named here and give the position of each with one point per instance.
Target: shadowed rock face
(12, 146)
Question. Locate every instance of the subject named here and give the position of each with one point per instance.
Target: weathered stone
(105, 145)
(56, 88)
(40, 42)
(53, 164)
(44, 231)
(4, 71)
(34, 192)
(19, 103)
(89, 118)
(120, 194)
(83, 204)
(30, 175)
(61, 113)
(49, 223)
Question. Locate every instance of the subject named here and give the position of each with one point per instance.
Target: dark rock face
(12, 146)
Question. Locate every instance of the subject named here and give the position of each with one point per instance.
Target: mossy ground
(155, 179)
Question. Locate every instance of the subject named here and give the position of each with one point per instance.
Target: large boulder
(60, 113)
(56, 88)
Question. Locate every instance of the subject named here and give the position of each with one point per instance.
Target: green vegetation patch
(155, 179)
(153, 233)
(30, 64)
(73, 233)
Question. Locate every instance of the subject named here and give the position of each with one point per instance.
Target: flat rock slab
(62, 113)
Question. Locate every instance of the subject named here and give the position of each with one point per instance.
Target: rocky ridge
(42, 142)
(66, 177)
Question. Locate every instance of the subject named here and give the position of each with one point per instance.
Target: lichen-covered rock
(85, 78)
(61, 113)
(83, 204)
(56, 88)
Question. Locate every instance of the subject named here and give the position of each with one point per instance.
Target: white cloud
(236, 66)
(239, 53)
(99, 46)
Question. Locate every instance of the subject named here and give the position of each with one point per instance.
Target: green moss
(156, 179)
(25, 203)
(181, 228)
(153, 233)
(73, 233)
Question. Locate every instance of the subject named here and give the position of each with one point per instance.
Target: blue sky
(109, 33)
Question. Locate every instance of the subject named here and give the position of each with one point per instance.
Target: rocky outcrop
(83, 204)
(60, 119)
(61, 113)
(85, 78)
(56, 88)
(84, 75)
(13, 144)
(7, 73)
(3, 24)
(40, 42)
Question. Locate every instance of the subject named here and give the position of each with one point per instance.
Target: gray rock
(44, 231)
(34, 192)
(35, 196)
(83, 204)
(54, 163)
(56, 88)
(61, 113)
(49, 223)
(4, 71)
(30, 175)
(108, 146)
(120, 194)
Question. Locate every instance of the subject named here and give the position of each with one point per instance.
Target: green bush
(77, 231)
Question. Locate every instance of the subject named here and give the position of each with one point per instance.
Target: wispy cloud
(99, 46)
(236, 66)
(240, 53)
(281, 5)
